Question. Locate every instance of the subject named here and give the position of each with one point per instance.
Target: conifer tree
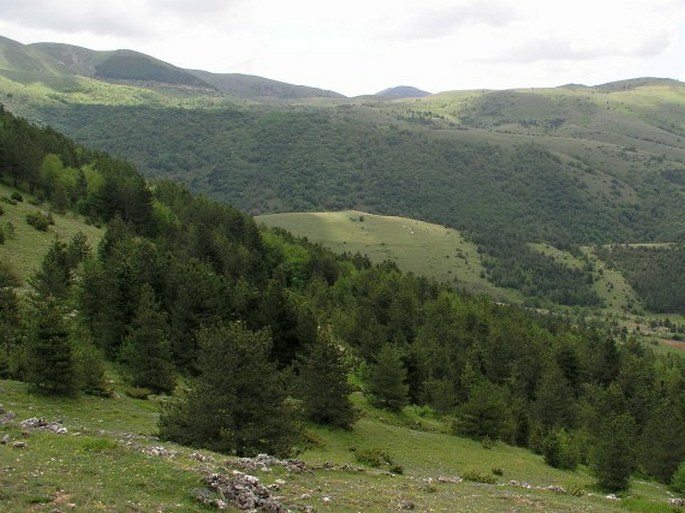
(238, 403)
(147, 350)
(51, 363)
(613, 457)
(388, 380)
(323, 384)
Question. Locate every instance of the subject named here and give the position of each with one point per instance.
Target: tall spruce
(388, 380)
(51, 363)
(147, 349)
(323, 384)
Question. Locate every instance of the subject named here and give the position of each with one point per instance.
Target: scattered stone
(611, 497)
(2, 409)
(450, 479)
(676, 502)
(326, 499)
(19, 444)
(41, 423)
(305, 497)
(6, 417)
(557, 489)
(407, 505)
(264, 462)
(5, 440)
(201, 457)
(243, 491)
(158, 450)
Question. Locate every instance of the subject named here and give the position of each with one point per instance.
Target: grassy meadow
(25, 248)
(103, 463)
(419, 247)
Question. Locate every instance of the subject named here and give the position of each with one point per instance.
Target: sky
(363, 46)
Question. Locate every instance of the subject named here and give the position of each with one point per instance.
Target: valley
(470, 300)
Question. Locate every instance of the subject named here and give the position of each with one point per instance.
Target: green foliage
(146, 350)
(613, 457)
(387, 380)
(484, 414)
(678, 479)
(238, 403)
(39, 220)
(479, 477)
(559, 450)
(51, 362)
(323, 385)
(375, 457)
(656, 273)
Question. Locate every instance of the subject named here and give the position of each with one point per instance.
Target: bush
(17, 197)
(477, 477)
(138, 392)
(2, 211)
(375, 457)
(678, 479)
(40, 221)
(560, 450)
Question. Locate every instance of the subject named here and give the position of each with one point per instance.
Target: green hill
(246, 340)
(566, 166)
(422, 248)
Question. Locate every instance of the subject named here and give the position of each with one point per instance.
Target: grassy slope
(95, 469)
(422, 248)
(25, 251)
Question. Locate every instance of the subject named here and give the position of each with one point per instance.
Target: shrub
(477, 477)
(138, 392)
(678, 479)
(498, 471)
(17, 197)
(2, 211)
(560, 450)
(375, 457)
(39, 221)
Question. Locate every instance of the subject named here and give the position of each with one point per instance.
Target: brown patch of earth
(678, 344)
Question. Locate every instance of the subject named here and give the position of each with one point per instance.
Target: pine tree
(238, 403)
(484, 414)
(387, 380)
(51, 364)
(323, 384)
(614, 457)
(147, 350)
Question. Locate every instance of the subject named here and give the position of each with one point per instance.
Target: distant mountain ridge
(62, 60)
(403, 92)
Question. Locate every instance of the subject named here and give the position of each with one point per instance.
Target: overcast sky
(363, 46)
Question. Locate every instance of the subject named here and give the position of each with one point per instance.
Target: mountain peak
(402, 92)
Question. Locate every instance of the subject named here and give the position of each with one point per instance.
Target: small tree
(559, 450)
(51, 364)
(678, 479)
(484, 414)
(147, 350)
(613, 457)
(323, 384)
(387, 380)
(238, 403)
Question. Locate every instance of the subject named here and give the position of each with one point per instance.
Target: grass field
(418, 247)
(101, 464)
(24, 251)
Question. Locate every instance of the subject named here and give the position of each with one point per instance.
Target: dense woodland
(655, 272)
(253, 333)
(264, 159)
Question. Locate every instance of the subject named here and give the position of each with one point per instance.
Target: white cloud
(362, 46)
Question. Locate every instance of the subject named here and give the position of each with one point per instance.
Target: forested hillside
(566, 166)
(265, 330)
